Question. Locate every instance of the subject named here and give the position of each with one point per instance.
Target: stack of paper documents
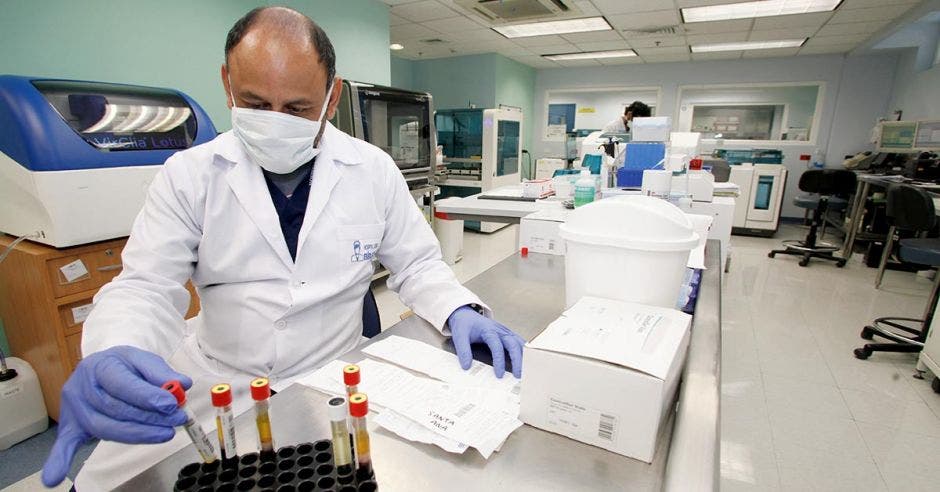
(459, 409)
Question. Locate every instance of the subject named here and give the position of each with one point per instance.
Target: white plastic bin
(450, 234)
(630, 248)
(22, 408)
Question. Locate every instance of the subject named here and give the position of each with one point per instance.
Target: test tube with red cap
(200, 440)
(351, 379)
(224, 420)
(260, 392)
(358, 409)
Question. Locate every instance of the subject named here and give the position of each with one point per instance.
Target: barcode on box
(605, 428)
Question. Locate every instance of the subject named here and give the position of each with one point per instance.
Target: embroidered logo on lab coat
(363, 252)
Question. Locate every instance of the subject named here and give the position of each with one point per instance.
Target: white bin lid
(633, 222)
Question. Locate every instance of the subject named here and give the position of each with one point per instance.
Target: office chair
(909, 209)
(371, 324)
(823, 186)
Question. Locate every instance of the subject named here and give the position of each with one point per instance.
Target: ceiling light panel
(590, 55)
(764, 8)
(587, 24)
(749, 45)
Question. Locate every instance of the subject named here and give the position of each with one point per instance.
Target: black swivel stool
(909, 209)
(823, 185)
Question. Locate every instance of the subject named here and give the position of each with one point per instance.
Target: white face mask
(279, 143)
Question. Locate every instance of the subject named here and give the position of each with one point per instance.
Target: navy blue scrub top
(290, 211)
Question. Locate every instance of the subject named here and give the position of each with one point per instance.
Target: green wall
(172, 43)
(484, 81)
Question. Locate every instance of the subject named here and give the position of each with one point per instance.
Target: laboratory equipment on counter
(633, 248)
(198, 436)
(396, 120)
(260, 393)
(351, 376)
(574, 142)
(224, 420)
(482, 151)
(651, 129)
(358, 409)
(77, 158)
(757, 208)
(545, 167)
(339, 413)
(21, 405)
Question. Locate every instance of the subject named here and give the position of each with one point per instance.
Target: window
(782, 112)
(591, 109)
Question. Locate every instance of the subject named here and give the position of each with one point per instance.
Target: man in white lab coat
(275, 223)
(622, 124)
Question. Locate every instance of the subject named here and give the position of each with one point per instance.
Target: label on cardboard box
(571, 419)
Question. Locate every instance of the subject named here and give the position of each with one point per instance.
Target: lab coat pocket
(360, 243)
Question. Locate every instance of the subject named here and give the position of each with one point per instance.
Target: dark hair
(316, 35)
(638, 109)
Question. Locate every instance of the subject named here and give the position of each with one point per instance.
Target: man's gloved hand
(114, 395)
(468, 326)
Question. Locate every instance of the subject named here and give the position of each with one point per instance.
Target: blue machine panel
(58, 125)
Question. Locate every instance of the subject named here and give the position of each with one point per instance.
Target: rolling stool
(824, 184)
(909, 208)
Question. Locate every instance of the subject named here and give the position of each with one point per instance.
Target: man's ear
(228, 88)
(334, 97)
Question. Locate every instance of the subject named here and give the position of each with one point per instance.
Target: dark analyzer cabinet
(303, 468)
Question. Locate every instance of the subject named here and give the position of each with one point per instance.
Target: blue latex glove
(468, 326)
(114, 395)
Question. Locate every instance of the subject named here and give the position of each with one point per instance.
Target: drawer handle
(110, 268)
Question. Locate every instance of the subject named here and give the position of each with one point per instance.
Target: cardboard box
(539, 232)
(537, 188)
(605, 373)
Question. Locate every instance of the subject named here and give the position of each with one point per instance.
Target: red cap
(176, 389)
(525, 251)
(695, 164)
(358, 405)
(221, 395)
(351, 375)
(805, 157)
(260, 389)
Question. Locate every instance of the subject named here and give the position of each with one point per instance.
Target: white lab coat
(615, 126)
(209, 217)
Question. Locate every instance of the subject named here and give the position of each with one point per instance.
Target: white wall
(917, 94)
(608, 105)
(857, 92)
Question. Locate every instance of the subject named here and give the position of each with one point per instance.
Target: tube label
(225, 424)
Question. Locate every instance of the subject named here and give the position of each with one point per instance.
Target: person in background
(622, 124)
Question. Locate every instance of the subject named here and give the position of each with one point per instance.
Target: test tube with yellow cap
(224, 420)
(358, 409)
(200, 440)
(351, 379)
(260, 392)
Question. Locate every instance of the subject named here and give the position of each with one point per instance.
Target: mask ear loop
(326, 104)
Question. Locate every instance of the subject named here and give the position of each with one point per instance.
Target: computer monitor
(897, 136)
(928, 136)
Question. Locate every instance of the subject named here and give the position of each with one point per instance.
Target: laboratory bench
(525, 293)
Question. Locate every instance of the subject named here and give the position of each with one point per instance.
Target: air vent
(508, 11)
(653, 31)
(433, 41)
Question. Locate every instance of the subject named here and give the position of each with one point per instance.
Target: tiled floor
(799, 412)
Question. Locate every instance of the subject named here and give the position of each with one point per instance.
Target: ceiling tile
(623, 60)
(423, 11)
(603, 45)
(394, 20)
(833, 40)
(718, 26)
(872, 14)
(728, 37)
(586, 7)
(535, 61)
(645, 20)
(717, 55)
(397, 2)
(592, 37)
(653, 42)
(798, 20)
(678, 57)
(405, 32)
(857, 4)
(474, 35)
(555, 49)
(540, 40)
(702, 3)
(579, 63)
(671, 50)
(610, 7)
(778, 34)
(452, 24)
(833, 48)
(852, 28)
(771, 53)
(515, 50)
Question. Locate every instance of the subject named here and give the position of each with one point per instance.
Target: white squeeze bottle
(584, 189)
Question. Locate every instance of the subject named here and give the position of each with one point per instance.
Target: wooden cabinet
(45, 295)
